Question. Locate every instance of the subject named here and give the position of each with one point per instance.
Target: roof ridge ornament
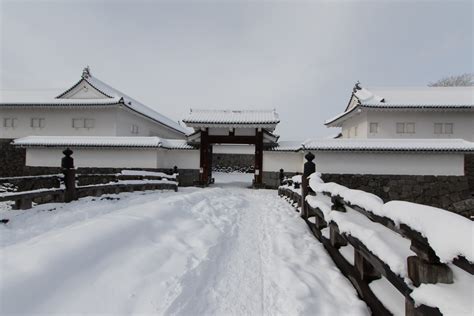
(86, 72)
(357, 87)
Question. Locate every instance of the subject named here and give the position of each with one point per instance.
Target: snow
(390, 297)
(232, 179)
(417, 96)
(458, 232)
(102, 141)
(214, 251)
(199, 116)
(389, 246)
(128, 172)
(134, 104)
(451, 299)
(366, 200)
(348, 253)
(389, 144)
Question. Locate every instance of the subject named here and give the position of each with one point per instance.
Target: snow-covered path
(215, 251)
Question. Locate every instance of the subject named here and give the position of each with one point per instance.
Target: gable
(83, 90)
(353, 102)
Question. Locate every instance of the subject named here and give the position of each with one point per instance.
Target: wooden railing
(367, 265)
(71, 186)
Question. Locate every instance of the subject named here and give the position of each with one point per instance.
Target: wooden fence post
(309, 168)
(281, 176)
(67, 168)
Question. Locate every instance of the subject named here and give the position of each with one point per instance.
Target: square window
(37, 122)
(448, 128)
(77, 123)
(9, 122)
(438, 128)
(400, 128)
(374, 128)
(89, 123)
(410, 128)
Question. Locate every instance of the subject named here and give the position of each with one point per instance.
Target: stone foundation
(448, 192)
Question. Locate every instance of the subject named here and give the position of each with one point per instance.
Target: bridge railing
(70, 186)
(424, 253)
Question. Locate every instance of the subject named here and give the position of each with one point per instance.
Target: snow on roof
(445, 145)
(46, 97)
(409, 98)
(419, 96)
(287, 146)
(133, 104)
(101, 141)
(232, 117)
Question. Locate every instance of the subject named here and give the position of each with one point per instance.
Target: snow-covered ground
(215, 251)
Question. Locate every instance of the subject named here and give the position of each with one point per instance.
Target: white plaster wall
(146, 127)
(183, 159)
(424, 124)
(359, 120)
(389, 163)
(244, 132)
(289, 161)
(215, 131)
(233, 149)
(100, 157)
(58, 121)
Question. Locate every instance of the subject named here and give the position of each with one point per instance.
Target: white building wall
(424, 124)
(356, 126)
(234, 149)
(183, 159)
(289, 161)
(94, 157)
(58, 121)
(146, 127)
(389, 163)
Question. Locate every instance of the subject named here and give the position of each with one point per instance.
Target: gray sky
(301, 58)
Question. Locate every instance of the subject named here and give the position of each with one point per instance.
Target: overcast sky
(301, 58)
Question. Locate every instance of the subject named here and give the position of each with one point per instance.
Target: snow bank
(320, 202)
(146, 173)
(451, 299)
(449, 234)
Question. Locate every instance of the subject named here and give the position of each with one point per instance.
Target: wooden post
(281, 176)
(308, 169)
(365, 269)
(203, 173)
(67, 167)
(258, 177)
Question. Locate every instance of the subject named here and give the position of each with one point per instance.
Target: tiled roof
(417, 97)
(101, 141)
(46, 98)
(287, 146)
(426, 145)
(134, 104)
(424, 98)
(232, 117)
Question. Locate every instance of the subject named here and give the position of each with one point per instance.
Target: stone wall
(469, 170)
(448, 192)
(231, 162)
(271, 180)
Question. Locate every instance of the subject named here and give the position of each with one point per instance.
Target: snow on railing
(425, 253)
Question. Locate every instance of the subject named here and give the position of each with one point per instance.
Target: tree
(463, 80)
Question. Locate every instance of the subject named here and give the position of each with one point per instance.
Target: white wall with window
(420, 124)
(20, 122)
(356, 127)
